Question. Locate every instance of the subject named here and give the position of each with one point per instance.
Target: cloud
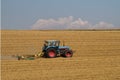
(78, 24)
(60, 23)
(69, 23)
(103, 25)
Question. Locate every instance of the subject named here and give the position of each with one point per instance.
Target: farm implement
(50, 49)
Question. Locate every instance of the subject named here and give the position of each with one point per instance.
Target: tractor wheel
(68, 54)
(51, 53)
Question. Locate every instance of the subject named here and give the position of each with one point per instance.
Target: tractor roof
(52, 40)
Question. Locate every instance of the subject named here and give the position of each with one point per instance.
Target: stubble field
(97, 55)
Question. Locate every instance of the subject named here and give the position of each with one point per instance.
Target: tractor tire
(68, 54)
(51, 53)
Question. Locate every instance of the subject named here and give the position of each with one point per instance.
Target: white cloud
(103, 25)
(60, 23)
(69, 23)
(78, 24)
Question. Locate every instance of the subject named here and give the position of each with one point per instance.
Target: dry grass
(97, 56)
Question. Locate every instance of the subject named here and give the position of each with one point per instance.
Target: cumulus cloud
(59, 23)
(103, 25)
(69, 23)
(78, 24)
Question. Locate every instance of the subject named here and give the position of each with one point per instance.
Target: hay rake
(30, 57)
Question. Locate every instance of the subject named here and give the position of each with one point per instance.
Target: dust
(8, 57)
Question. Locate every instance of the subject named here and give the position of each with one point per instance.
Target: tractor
(52, 49)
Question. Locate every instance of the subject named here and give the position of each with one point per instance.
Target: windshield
(52, 43)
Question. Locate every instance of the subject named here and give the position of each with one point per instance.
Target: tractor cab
(52, 43)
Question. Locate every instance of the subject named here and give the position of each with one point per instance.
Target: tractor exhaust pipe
(63, 43)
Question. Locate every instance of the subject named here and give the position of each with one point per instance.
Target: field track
(97, 55)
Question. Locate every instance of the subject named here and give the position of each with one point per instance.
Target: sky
(60, 14)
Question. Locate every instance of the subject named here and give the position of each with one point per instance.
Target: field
(97, 55)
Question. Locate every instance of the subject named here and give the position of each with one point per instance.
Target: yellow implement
(30, 57)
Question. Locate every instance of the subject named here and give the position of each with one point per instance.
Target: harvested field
(97, 55)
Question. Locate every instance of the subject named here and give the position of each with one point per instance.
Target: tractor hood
(64, 47)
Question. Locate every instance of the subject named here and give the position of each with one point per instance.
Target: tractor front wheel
(68, 54)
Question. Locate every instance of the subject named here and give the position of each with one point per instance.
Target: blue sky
(52, 14)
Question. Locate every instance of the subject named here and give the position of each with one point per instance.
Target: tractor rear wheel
(68, 53)
(51, 53)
